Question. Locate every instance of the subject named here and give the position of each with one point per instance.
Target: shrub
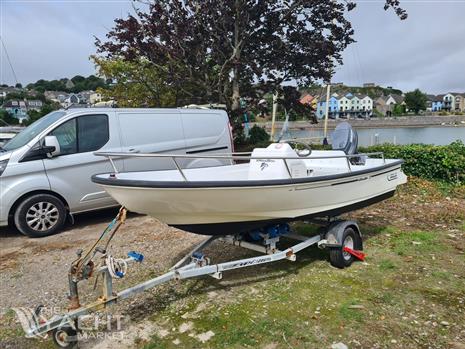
(257, 134)
(444, 163)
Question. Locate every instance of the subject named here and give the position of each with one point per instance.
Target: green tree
(399, 109)
(416, 100)
(7, 118)
(136, 84)
(230, 49)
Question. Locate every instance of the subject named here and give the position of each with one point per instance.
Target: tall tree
(242, 41)
(225, 49)
(416, 100)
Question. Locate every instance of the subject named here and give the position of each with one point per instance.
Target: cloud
(426, 51)
(54, 39)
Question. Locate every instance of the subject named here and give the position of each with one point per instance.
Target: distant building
(95, 98)
(307, 99)
(333, 107)
(448, 102)
(385, 104)
(310, 101)
(56, 96)
(85, 96)
(19, 108)
(369, 84)
(72, 99)
(4, 91)
(459, 102)
(345, 105)
(34, 104)
(434, 103)
(366, 105)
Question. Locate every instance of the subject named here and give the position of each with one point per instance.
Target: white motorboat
(277, 185)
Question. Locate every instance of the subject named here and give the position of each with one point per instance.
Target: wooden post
(325, 132)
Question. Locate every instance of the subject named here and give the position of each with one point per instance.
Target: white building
(366, 104)
(95, 98)
(448, 102)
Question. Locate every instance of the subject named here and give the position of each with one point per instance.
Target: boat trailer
(341, 237)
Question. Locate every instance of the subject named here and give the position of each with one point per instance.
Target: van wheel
(40, 215)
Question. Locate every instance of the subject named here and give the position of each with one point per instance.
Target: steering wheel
(302, 153)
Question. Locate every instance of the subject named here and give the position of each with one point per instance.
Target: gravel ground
(34, 271)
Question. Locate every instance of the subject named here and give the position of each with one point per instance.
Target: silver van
(45, 170)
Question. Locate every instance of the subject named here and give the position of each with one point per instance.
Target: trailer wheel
(337, 256)
(65, 337)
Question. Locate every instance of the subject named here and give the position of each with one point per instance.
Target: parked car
(45, 170)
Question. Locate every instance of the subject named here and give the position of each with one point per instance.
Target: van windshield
(26, 135)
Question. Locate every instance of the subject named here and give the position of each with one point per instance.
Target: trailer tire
(337, 256)
(65, 337)
(45, 207)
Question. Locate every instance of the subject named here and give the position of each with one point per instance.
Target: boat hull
(222, 210)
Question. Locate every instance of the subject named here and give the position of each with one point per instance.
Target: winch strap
(118, 220)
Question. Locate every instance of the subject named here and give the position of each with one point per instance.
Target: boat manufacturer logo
(247, 263)
(392, 176)
(263, 165)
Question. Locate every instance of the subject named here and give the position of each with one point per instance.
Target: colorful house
(434, 103)
(333, 107)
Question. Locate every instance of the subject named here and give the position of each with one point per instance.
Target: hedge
(444, 163)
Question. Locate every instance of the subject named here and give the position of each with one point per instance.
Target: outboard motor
(345, 138)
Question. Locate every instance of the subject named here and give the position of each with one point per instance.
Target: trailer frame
(193, 264)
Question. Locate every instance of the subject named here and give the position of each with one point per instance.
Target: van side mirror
(51, 146)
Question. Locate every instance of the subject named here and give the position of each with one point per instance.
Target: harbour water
(437, 135)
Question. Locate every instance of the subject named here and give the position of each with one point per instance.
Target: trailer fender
(335, 231)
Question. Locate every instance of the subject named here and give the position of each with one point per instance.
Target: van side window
(82, 134)
(93, 132)
(66, 136)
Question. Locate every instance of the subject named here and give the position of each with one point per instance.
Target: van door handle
(132, 150)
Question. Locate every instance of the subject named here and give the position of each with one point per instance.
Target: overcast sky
(49, 39)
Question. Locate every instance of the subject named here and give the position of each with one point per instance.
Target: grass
(416, 242)
(412, 281)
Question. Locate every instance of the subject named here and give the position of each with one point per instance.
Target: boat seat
(260, 169)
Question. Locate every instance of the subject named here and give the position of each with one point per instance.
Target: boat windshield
(26, 135)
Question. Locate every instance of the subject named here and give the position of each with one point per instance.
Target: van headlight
(3, 166)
